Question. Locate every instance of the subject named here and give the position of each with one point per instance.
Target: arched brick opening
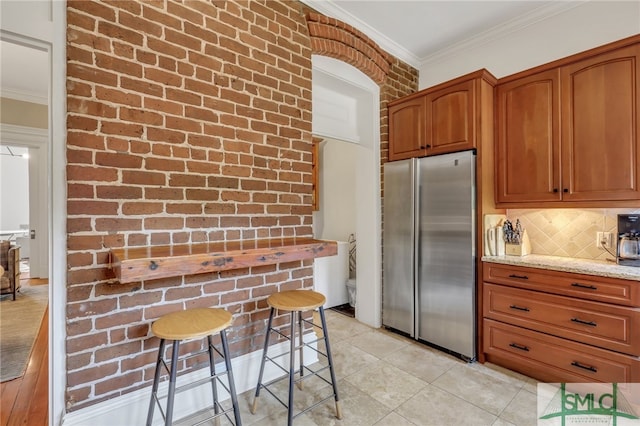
(333, 38)
(336, 39)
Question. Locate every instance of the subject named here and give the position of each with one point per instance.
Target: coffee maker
(628, 250)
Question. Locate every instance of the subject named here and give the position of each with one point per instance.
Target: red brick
(164, 164)
(118, 65)
(140, 299)
(86, 207)
(187, 180)
(91, 174)
(140, 116)
(184, 208)
(121, 318)
(183, 124)
(118, 192)
(118, 160)
(142, 25)
(143, 178)
(142, 86)
(164, 194)
(76, 156)
(121, 381)
(202, 194)
(140, 208)
(165, 48)
(119, 32)
(121, 129)
(163, 223)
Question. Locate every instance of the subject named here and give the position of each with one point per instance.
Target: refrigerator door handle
(416, 188)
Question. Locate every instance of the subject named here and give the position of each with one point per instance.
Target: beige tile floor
(386, 379)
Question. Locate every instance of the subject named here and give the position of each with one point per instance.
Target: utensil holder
(522, 249)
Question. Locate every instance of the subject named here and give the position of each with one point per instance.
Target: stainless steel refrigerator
(429, 279)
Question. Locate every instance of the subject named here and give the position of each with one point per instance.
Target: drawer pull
(579, 321)
(585, 286)
(521, 347)
(584, 367)
(519, 308)
(522, 277)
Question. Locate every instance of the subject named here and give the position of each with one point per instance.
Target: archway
(346, 108)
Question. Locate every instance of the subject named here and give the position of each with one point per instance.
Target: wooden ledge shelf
(152, 262)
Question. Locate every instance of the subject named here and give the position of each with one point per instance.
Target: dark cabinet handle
(521, 347)
(587, 286)
(519, 308)
(584, 367)
(555, 189)
(428, 146)
(579, 321)
(422, 147)
(522, 277)
(565, 190)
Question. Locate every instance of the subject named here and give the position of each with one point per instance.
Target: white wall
(14, 186)
(514, 48)
(336, 216)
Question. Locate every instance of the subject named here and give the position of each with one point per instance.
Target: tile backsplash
(568, 232)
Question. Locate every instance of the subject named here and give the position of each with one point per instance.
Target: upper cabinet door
(451, 118)
(528, 139)
(600, 115)
(407, 129)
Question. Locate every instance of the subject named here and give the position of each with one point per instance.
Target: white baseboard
(131, 409)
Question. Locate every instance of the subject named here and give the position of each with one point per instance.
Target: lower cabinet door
(552, 359)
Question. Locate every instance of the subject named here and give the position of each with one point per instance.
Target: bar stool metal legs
(296, 322)
(330, 360)
(189, 325)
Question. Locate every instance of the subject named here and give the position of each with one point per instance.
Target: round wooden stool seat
(296, 300)
(191, 323)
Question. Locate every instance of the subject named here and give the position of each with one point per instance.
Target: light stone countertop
(568, 264)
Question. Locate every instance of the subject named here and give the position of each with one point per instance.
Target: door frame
(42, 25)
(350, 81)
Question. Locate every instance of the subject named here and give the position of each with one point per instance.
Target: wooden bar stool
(297, 302)
(187, 325)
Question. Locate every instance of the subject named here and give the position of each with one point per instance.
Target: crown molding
(24, 96)
(329, 8)
(502, 30)
(22, 135)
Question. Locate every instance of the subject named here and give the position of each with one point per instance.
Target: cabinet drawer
(603, 289)
(600, 324)
(550, 358)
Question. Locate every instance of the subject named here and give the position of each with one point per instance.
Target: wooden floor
(24, 401)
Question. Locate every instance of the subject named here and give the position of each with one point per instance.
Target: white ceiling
(418, 30)
(413, 31)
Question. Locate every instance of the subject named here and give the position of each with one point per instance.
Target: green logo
(589, 400)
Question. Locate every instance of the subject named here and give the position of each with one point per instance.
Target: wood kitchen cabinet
(567, 132)
(450, 118)
(528, 136)
(407, 129)
(600, 113)
(560, 326)
(444, 118)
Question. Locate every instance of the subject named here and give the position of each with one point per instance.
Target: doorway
(24, 116)
(24, 220)
(346, 109)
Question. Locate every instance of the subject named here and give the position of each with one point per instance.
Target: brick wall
(187, 122)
